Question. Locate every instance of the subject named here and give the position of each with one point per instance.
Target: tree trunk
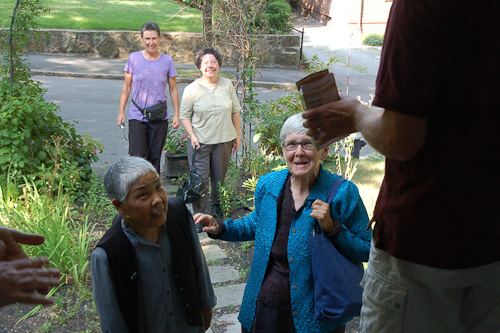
(207, 21)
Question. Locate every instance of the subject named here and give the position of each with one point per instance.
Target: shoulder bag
(194, 188)
(337, 290)
(154, 112)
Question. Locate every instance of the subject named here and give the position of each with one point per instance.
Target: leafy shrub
(176, 142)
(269, 119)
(34, 141)
(374, 40)
(37, 143)
(278, 15)
(192, 3)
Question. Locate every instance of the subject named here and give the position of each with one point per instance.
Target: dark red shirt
(440, 61)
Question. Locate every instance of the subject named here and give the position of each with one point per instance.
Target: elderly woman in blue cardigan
(279, 294)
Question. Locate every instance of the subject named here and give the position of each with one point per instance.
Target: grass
(195, 73)
(368, 177)
(112, 15)
(342, 59)
(67, 241)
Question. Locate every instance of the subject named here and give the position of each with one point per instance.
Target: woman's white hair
(123, 173)
(294, 124)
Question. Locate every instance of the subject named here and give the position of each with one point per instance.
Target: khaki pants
(210, 161)
(401, 296)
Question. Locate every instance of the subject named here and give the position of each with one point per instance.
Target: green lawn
(112, 15)
(368, 178)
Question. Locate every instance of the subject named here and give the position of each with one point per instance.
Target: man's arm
(393, 134)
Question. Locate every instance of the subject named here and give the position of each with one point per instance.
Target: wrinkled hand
(334, 120)
(194, 142)
(321, 212)
(208, 222)
(10, 240)
(207, 316)
(176, 122)
(25, 281)
(236, 144)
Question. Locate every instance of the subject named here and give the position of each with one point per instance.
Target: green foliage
(97, 204)
(192, 3)
(257, 162)
(34, 141)
(13, 41)
(67, 242)
(278, 15)
(316, 66)
(250, 184)
(374, 40)
(225, 199)
(230, 194)
(37, 143)
(270, 118)
(176, 142)
(269, 17)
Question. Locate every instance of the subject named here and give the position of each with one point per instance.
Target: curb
(260, 84)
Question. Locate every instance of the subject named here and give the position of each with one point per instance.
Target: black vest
(123, 265)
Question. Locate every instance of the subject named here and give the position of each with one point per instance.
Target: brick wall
(373, 19)
(318, 9)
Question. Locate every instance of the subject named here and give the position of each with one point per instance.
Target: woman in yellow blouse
(210, 113)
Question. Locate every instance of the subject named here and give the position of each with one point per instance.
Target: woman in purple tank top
(149, 71)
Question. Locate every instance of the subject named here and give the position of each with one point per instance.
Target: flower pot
(176, 165)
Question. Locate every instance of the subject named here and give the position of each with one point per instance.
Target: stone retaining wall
(280, 51)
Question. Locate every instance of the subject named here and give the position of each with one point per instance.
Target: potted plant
(176, 161)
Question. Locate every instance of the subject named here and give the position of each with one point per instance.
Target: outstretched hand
(26, 281)
(208, 222)
(10, 240)
(332, 121)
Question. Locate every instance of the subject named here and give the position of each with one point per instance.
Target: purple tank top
(149, 81)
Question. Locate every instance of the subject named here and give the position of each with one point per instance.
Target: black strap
(332, 191)
(138, 107)
(193, 168)
(143, 110)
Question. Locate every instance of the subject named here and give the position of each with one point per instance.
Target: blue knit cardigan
(260, 225)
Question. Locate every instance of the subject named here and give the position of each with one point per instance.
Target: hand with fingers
(333, 121)
(208, 222)
(10, 240)
(321, 212)
(26, 281)
(194, 142)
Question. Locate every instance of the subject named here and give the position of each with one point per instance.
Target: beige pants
(400, 296)
(210, 161)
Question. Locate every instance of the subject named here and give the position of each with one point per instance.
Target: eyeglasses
(213, 63)
(292, 145)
